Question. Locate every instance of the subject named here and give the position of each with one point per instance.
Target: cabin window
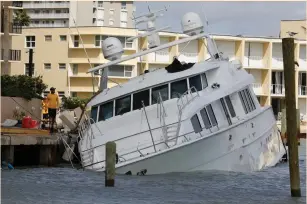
(205, 117)
(230, 106)
(106, 111)
(247, 101)
(94, 114)
(123, 105)
(204, 80)
(242, 102)
(163, 90)
(250, 98)
(196, 124)
(139, 97)
(225, 111)
(178, 88)
(211, 115)
(195, 82)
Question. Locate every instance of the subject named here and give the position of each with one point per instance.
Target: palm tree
(21, 18)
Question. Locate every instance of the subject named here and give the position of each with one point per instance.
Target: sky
(229, 18)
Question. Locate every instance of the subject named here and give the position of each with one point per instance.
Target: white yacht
(184, 117)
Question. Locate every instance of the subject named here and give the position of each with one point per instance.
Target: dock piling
(110, 164)
(291, 115)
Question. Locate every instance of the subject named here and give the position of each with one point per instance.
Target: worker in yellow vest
(45, 112)
(53, 105)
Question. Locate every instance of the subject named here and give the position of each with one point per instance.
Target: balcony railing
(33, 25)
(253, 61)
(17, 3)
(159, 56)
(48, 15)
(37, 4)
(188, 57)
(257, 88)
(277, 62)
(15, 28)
(302, 90)
(15, 55)
(278, 89)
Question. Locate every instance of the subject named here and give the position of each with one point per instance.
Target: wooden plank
(25, 131)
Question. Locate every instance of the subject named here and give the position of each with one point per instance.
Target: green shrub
(73, 102)
(22, 86)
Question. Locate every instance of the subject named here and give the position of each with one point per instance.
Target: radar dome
(191, 24)
(112, 48)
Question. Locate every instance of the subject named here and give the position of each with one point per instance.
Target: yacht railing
(184, 99)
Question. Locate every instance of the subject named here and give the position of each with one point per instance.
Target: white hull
(250, 149)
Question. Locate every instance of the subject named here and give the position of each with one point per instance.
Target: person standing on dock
(53, 105)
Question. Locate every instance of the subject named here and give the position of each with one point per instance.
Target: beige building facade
(63, 60)
(9, 54)
(80, 13)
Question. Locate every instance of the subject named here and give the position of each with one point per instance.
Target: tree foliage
(22, 86)
(73, 102)
(21, 17)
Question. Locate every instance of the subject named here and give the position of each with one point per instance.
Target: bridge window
(247, 101)
(204, 80)
(195, 81)
(196, 124)
(106, 111)
(178, 88)
(205, 117)
(139, 97)
(123, 105)
(163, 90)
(230, 106)
(211, 115)
(94, 114)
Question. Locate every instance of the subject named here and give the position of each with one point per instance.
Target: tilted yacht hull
(249, 145)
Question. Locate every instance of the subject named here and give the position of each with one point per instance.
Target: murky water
(66, 185)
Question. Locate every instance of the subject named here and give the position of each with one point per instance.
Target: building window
(47, 66)
(62, 66)
(123, 24)
(73, 94)
(111, 22)
(120, 71)
(94, 20)
(48, 37)
(75, 69)
(111, 11)
(30, 41)
(124, 5)
(76, 41)
(123, 16)
(128, 44)
(27, 69)
(61, 94)
(63, 37)
(99, 39)
(100, 3)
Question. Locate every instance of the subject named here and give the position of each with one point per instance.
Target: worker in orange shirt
(53, 105)
(44, 112)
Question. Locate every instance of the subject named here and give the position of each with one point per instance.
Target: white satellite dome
(112, 48)
(191, 24)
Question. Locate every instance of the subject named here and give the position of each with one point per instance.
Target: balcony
(257, 87)
(159, 57)
(277, 62)
(188, 57)
(303, 64)
(59, 25)
(49, 15)
(302, 90)
(15, 55)
(42, 5)
(277, 89)
(15, 28)
(253, 61)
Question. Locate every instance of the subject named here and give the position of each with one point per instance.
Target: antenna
(151, 31)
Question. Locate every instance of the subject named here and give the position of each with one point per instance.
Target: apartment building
(297, 26)
(9, 54)
(60, 57)
(79, 13)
